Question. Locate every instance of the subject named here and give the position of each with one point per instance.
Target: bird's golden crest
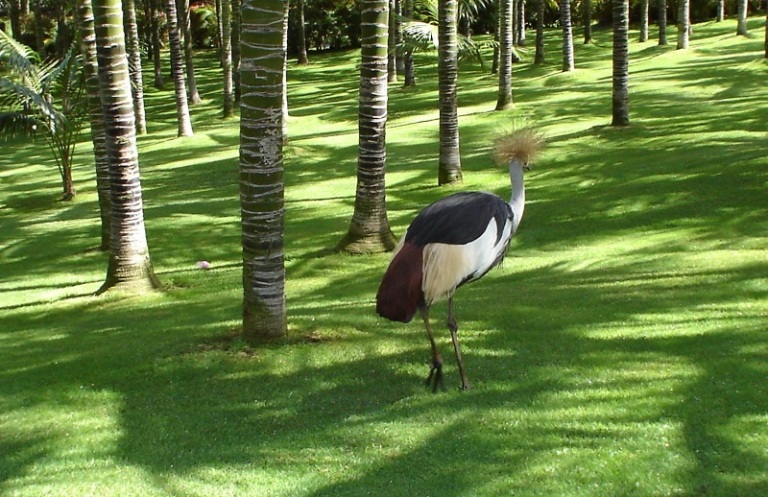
(522, 144)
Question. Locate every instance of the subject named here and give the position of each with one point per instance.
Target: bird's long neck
(517, 202)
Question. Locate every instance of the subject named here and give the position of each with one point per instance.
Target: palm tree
(540, 58)
(449, 170)
(301, 30)
(185, 29)
(156, 28)
(226, 58)
(587, 22)
(393, 24)
(134, 63)
(177, 70)
(683, 23)
(520, 38)
(720, 11)
(741, 25)
(662, 22)
(505, 54)
(236, 47)
(261, 169)
(620, 63)
(45, 98)
(410, 76)
(643, 21)
(369, 230)
(91, 70)
(565, 22)
(129, 262)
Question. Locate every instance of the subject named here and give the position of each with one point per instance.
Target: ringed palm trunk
(620, 63)
(720, 11)
(177, 70)
(91, 69)
(226, 58)
(587, 21)
(156, 59)
(565, 22)
(683, 24)
(540, 58)
(410, 73)
(447, 66)
(643, 21)
(505, 55)
(662, 22)
(134, 63)
(236, 47)
(392, 41)
(185, 29)
(129, 261)
(369, 230)
(261, 169)
(301, 31)
(741, 15)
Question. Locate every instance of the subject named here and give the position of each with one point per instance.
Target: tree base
(372, 243)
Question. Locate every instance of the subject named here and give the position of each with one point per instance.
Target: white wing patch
(446, 266)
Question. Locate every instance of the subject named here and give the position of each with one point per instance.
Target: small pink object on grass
(203, 264)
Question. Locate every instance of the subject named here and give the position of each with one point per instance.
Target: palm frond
(19, 97)
(14, 124)
(19, 58)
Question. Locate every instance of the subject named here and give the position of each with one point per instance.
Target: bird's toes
(435, 377)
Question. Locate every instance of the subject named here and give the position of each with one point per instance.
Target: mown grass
(620, 349)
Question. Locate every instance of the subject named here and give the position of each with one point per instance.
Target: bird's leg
(435, 377)
(455, 338)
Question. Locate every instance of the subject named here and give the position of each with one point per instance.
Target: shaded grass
(620, 349)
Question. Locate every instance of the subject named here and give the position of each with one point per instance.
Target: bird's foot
(435, 377)
(465, 386)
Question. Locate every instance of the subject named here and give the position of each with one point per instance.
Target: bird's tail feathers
(400, 293)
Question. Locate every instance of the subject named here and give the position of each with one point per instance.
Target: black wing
(458, 219)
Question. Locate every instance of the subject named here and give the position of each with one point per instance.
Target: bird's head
(521, 145)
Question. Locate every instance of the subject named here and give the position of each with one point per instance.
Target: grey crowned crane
(453, 241)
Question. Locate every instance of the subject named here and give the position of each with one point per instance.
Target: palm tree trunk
(505, 54)
(620, 63)
(565, 22)
(185, 29)
(521, 23)
(226, 58)
(720, 11)
(156, 59)
(90, 67)
(301, 30)
(261, 169)
(540, 58)
(391, 41)
(39, 27)
(236, 9)
(129, 261)
(643, 21)
(134, 63)
(410, 72)
(369, 230)
(177, 70)
(587, 21)
(14, 13)
(683, 24)
(741, 25)
(662, 21)
(447, 66)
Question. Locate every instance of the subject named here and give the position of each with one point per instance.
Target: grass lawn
(620, 350)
